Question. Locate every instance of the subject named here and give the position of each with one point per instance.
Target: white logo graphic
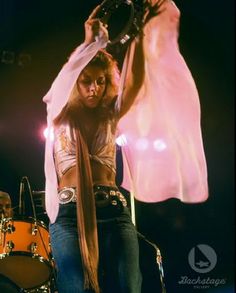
(202, 258)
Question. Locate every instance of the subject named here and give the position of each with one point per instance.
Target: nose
(93, 86)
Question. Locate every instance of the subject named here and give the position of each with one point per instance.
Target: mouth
(92, 98)
(92, 101)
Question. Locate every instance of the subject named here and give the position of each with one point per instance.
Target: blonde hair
(105, 61)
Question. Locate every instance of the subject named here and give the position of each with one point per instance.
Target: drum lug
(34, 229)
(7, 228)
(10, 229)
(10, 245)
(33, 247)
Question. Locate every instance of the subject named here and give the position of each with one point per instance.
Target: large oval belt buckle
(67, 195)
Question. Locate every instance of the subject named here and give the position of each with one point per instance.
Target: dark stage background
(36, 37)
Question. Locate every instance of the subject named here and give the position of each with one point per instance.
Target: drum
(7, 286)
(25, 254)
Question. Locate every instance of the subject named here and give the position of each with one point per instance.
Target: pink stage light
(142, 144)
(121, 140)
(46, 132)
(159, 145)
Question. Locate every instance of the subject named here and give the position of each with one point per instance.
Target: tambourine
(123, 17)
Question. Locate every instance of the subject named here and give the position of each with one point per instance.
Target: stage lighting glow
(159, 145)
(121, 140)
(46, 133)
(142, 144)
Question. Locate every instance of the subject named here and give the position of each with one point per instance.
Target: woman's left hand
(94, 27)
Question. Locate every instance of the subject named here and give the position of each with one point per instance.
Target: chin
(91, 106)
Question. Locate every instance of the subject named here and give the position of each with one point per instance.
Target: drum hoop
(27, 254)
(29, 220)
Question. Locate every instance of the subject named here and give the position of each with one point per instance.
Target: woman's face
(91, 86)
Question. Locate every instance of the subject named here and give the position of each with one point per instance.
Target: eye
(101, 81)
(85, 81)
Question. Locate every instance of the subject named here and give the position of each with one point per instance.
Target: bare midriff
(101, 174)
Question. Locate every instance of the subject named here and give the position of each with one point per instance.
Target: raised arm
(135, 62)
(96, 37)
(134, 75)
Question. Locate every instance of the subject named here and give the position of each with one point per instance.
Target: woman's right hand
(94, 27)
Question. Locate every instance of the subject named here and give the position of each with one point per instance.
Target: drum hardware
(10, 246)
(33, 247)
(8, 229)
(34, 229)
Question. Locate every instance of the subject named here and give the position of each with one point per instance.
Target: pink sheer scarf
(163, 155)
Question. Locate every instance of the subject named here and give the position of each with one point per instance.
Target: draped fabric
(163, 152)
(86, 215)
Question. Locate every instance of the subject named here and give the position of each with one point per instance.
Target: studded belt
(108, 195)
(104, 196)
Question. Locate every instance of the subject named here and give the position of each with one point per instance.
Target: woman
(164, 143)
(83, 202)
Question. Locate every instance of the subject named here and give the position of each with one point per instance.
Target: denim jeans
(119, 270)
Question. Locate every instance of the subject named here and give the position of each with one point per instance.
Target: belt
(104, 196)
(108, 195)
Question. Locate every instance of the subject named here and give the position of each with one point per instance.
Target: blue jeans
(119, 270)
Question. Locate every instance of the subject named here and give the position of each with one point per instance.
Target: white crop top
(102, 150)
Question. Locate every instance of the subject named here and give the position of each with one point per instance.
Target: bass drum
(25, 253)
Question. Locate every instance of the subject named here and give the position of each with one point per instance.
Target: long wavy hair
(105, 61)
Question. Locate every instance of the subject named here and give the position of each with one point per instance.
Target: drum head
(27, 272)
(7, 286)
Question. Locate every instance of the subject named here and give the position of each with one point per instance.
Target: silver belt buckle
(66, 195)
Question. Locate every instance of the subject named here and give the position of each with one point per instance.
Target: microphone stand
(21, 209)
(35, 228)
(22, 202)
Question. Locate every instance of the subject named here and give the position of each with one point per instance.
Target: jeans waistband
(104, 195)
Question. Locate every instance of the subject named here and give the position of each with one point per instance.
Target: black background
(44, 33)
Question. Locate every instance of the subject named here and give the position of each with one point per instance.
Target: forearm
(133, 73)
(137, 72)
